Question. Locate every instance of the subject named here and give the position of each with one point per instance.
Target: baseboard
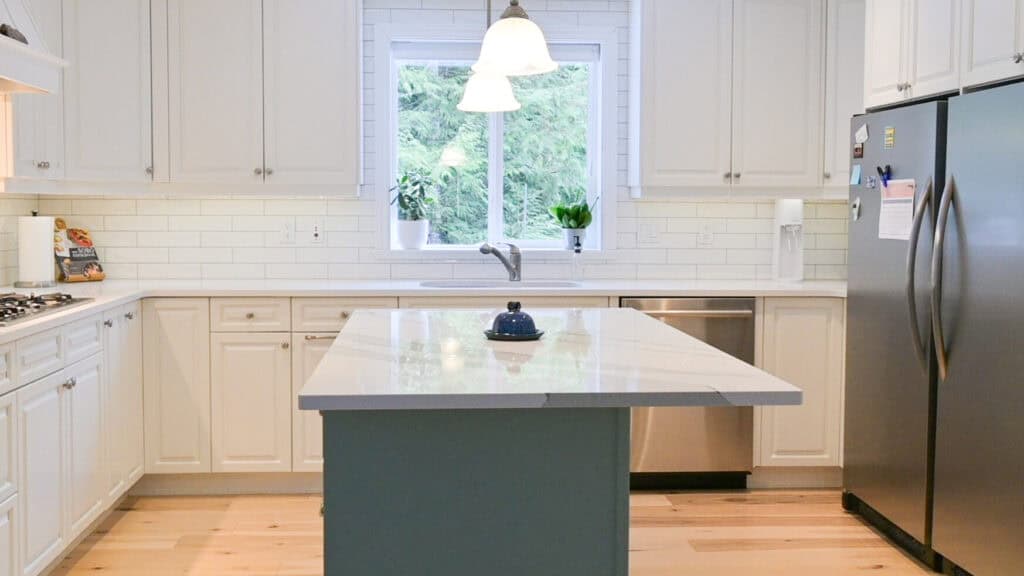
(229, 484)
(790, 477)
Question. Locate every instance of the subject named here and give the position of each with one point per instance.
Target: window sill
(473, 253)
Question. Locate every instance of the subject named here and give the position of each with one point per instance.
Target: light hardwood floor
(692, 534)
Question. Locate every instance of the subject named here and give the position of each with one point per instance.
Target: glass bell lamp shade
(488, 92)
(515, 46)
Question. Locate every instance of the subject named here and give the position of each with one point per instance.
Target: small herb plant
(573, 212)
(413, 198)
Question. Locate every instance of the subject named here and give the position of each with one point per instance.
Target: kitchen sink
(498, 284)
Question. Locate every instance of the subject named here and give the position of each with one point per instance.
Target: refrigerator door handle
(915, 236)
(936, 285)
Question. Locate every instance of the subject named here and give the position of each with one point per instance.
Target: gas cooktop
(16, 308)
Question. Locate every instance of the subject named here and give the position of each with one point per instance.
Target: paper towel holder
(35, 284)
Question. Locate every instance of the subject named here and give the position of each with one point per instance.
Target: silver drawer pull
(700, 313)
(250, 315)
(71, 383)
(345, 315)
(311, 337)
(130, 315)
(285, 345)
(108, 323)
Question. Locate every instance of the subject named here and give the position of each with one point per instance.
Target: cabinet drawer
(39, 355)
(250, 315)
(330, 314)
(8, 379)
(83, 338)
(8, 458)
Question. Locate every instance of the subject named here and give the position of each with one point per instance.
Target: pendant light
(514, 45)
(488, 92)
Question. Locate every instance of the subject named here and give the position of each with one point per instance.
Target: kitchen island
(446, 453)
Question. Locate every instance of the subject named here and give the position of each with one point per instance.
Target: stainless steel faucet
(514, 262)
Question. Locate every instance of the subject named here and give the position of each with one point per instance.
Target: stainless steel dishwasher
(696, 447)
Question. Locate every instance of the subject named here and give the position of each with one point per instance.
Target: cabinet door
(307, 428)
(9, 562)
(176, 365)
(844, 86)
(777, 108)
(992, 38)
(934, 56)
(311, 92)
(38, 133)
(685, 127)
(803, 344)
(215, 64)
(86, 472)
(41, 440)
(131, 402)
(113, 420)
(8, 447)
(251, 408)
(108, 105)
(885, 51)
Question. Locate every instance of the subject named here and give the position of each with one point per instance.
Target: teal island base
(518, 492)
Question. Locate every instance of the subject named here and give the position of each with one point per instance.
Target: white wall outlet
(706, 235)
(649, 233)
(288, 233)
(316, 233)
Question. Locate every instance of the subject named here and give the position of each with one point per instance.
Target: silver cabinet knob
(737, 175)
(250, 315)
(269, 171)
(149, 170)
(108, 323)
(1018, 58)
(43, 165)
(285, 345)
(258, 171)
(345, 315)
(727, 175)
(69, 384)
(828, 175)
(130, 315)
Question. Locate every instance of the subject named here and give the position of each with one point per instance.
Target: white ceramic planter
(574, 235)
(412, 234)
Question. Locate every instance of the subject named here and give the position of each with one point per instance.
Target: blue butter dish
(514, 325)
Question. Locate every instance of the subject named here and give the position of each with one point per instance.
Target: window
(496, 175)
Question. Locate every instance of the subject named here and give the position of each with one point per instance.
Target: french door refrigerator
(935, 422)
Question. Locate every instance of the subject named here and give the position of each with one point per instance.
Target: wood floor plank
(762, 533)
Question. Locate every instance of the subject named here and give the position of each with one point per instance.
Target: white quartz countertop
(439, 359)
(112, 293)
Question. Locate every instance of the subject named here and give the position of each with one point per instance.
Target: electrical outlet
(288, 233)
(316, 235)
(706, 235)
(649, 233)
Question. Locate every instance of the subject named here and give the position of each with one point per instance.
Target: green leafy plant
(573, 212)
(413, 198)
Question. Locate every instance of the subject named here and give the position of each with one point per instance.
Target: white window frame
(393, 42)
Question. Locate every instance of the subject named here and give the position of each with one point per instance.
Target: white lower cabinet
(176, 367)
(41, 433)
(251, 402)
(8, 446)
(9, 564)
(122, 399)
(804, 342)
(85, 463)
(307, 425)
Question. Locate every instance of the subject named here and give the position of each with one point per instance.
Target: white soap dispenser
(788, 247)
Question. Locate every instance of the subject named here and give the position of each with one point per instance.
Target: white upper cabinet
(912, 50)
(107, 90)
(682, 132)
(38, 130)
(215, 83)
(844, 87)
(311, 90)
(934, 57)
(777, 93)
(993, 40)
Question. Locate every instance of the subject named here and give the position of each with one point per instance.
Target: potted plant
(573, 214)
(414, 202)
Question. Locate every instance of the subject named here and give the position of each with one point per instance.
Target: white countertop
(112, 293)
(439, 359)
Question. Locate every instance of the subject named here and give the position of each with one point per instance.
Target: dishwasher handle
(700, 313)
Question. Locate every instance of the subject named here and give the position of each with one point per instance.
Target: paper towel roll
(35, 251)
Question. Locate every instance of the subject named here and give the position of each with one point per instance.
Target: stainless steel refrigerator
(935, 359)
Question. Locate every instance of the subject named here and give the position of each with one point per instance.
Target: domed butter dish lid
(514, 325)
